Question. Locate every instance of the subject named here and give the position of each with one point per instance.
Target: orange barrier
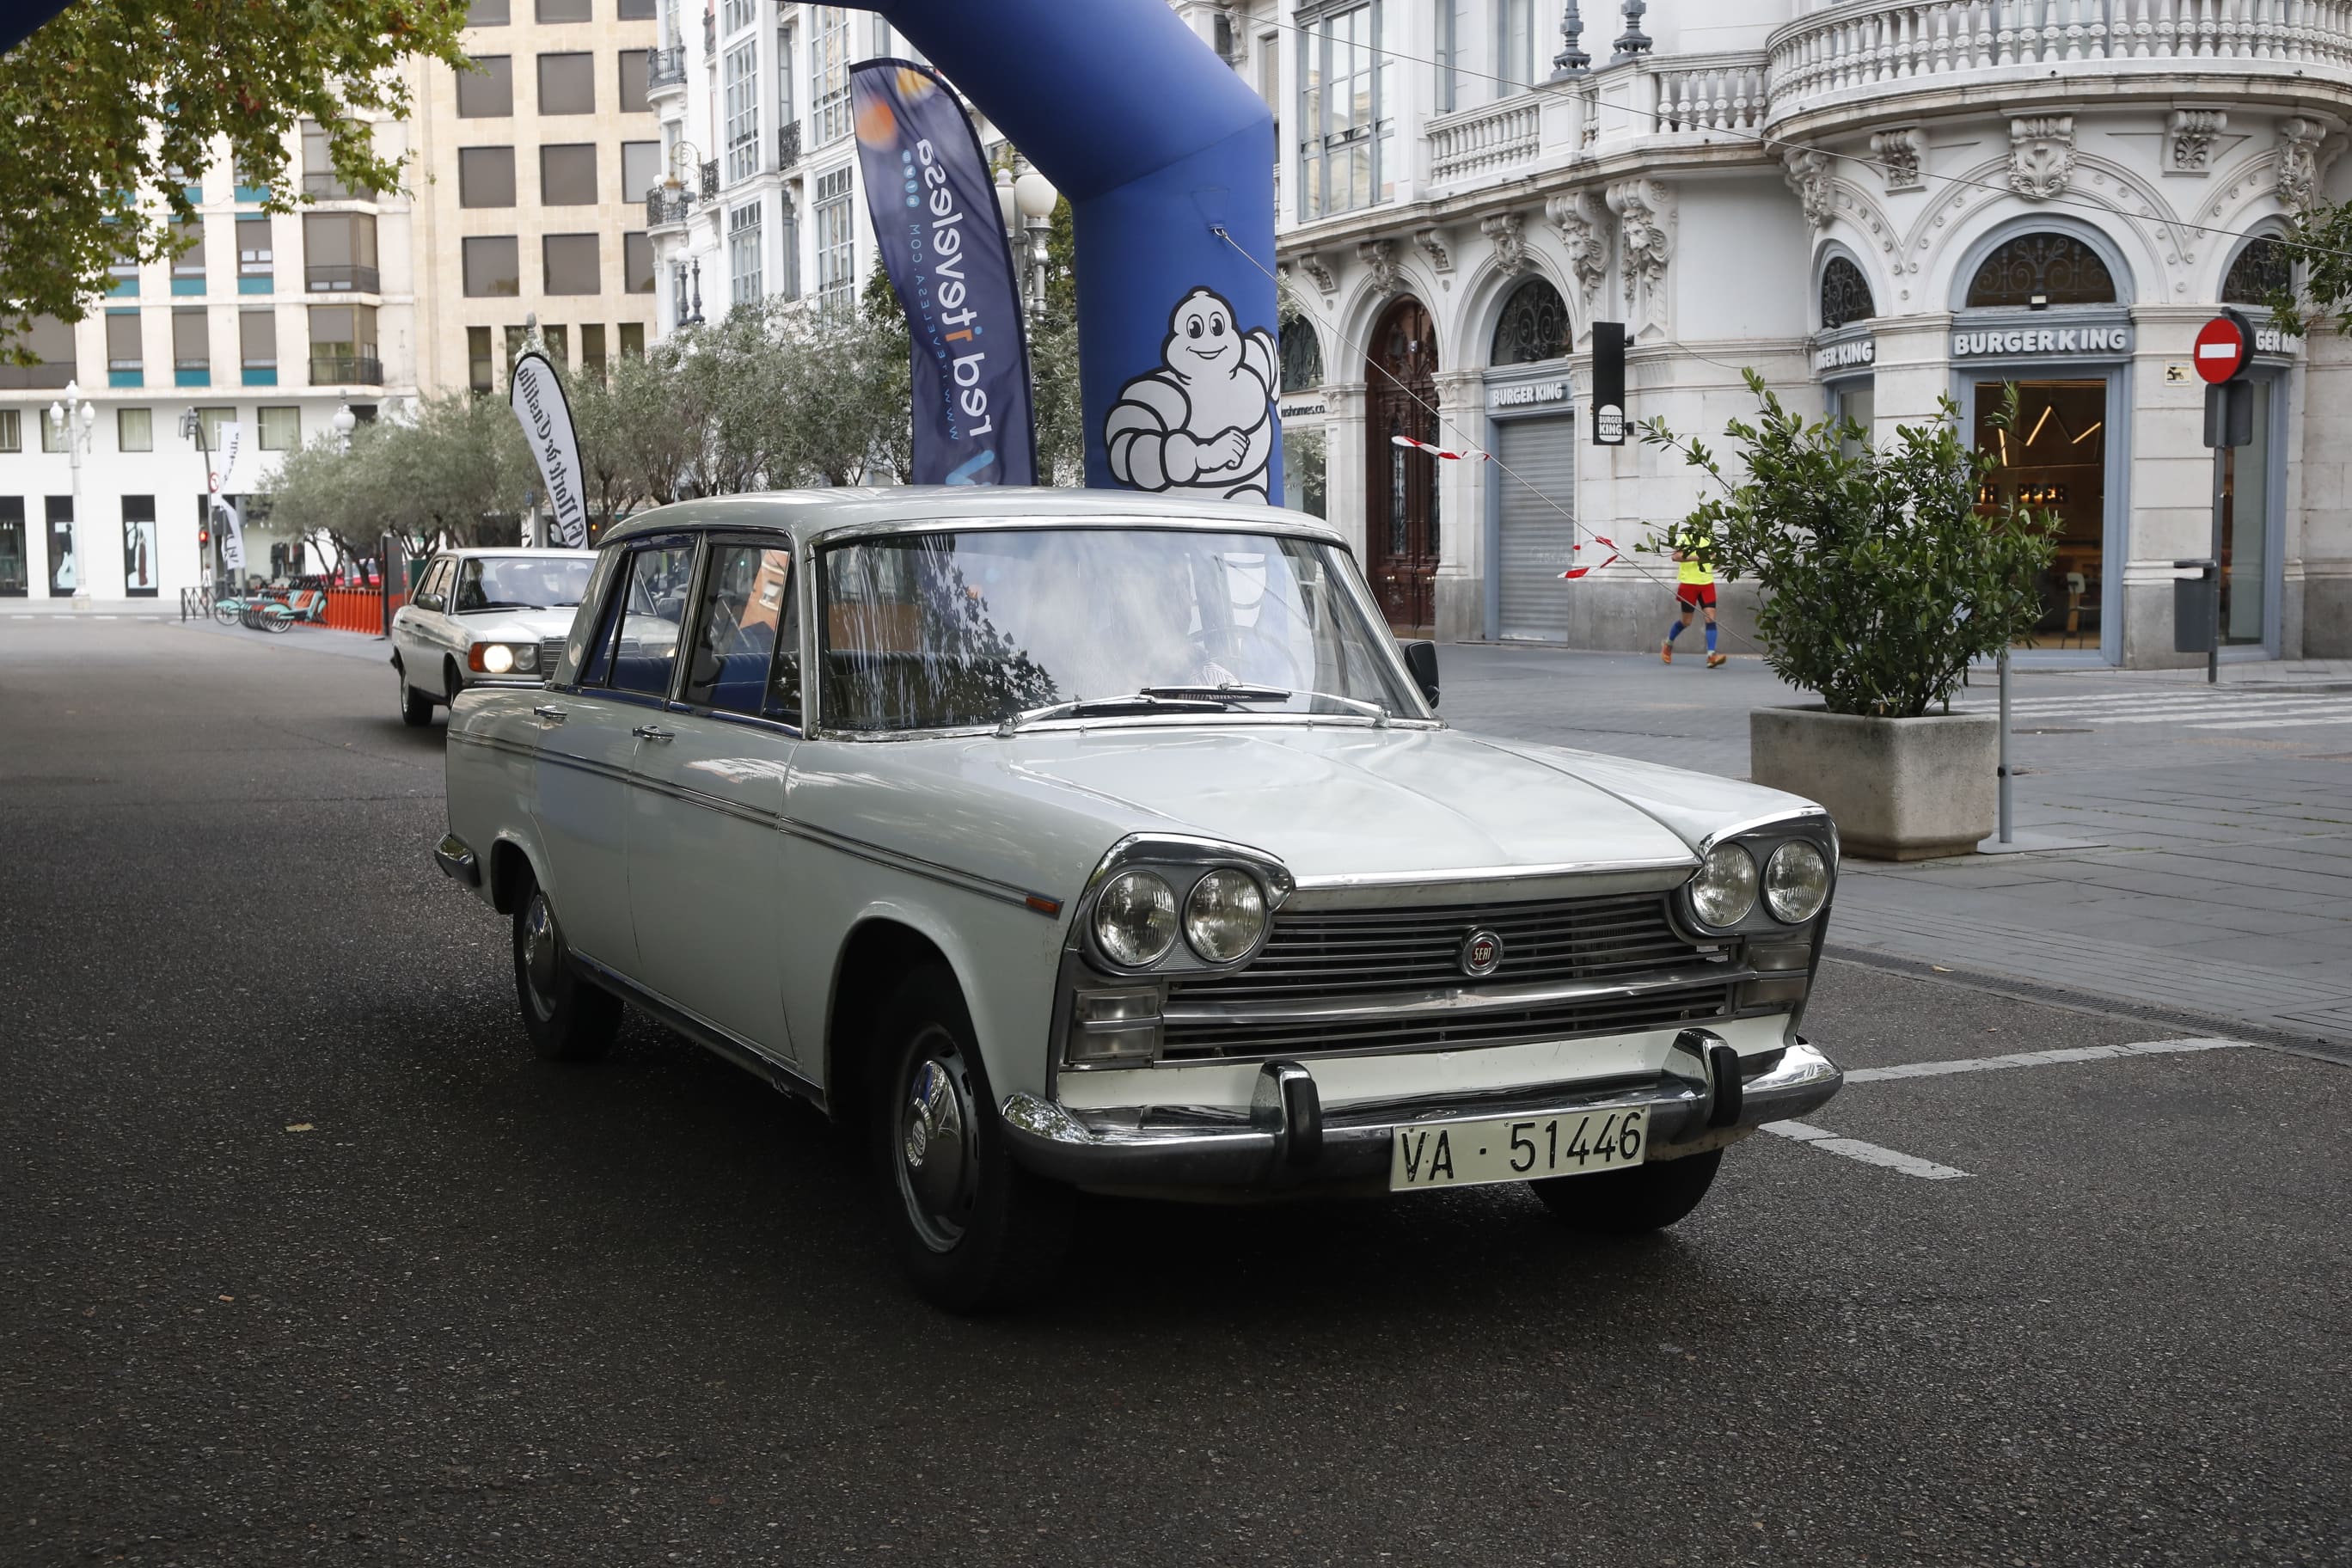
(358, 609)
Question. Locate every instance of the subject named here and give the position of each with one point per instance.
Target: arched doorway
(1400, 510)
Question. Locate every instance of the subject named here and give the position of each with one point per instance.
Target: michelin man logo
(1203, 420)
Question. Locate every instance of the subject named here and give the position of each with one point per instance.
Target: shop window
(2261, 271)
(486, 178)
(567, 84)
(493, 268)
(2034, 270)
(135, 429)
(1534, 325)
(16, 577)
(140, 568)
(65, 572)
(1846, 295)
(567, 175)
(570, 263)
(1302, 356)
(2055, 458)
(486, 92)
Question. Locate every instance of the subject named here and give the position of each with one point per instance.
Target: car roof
(475, 552)
(813, 514)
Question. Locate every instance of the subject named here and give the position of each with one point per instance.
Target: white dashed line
(1856, 1149)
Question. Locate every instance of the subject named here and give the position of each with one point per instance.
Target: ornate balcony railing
(1480, 141)
(1867, 48)
(788, 145)
(665, 206)
(1702, 93)
(666, 68)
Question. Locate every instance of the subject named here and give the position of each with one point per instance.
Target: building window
(319, 177)
(2039, 269)
(1515, 27)
(1845, 294)
(1345, 106)
(787, 281)
(478, 369)
(552, 11)
(12, 430)
(486, 92)
(567, 84)
(741, 70)
(557, 341)
(737, 14)
(632, 339)
(493, 266)
(215, 423)
(135, 429)
(2261, 271)
(342, 346)
(488, 14)
(1450, 95)
(51, 343)
(1533, 326)
(592, 350)
(743, 254)
(277, 429)
(486, 177)
(1302, 357)
(836, 284)
(784, 74)
(192, 347)
(517, 340)
(124, 359)
(634, 96)
(569, 264)
(257, 344)
(636, 263)
(124, 271)
(188, 265)
(567, 174)
(829, 74)
(256, 261)
(139, 562)
(636, 10)
(53, 439)
(339, 253)
(641, 168)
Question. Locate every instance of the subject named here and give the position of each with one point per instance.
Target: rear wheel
(416, 708)
(1630, 1202)
(972, 1228)
(567, 1019)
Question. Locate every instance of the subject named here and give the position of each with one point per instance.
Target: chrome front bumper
(1707, 1097)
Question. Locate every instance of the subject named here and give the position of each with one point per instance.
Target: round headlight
(1225, 916)
(1725, 889)
(1135, 918)
(1796, 882)
(498, 658)
(526, 655)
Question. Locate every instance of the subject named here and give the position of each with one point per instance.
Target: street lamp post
(1024, 200)
(73, 420)
(192, 428)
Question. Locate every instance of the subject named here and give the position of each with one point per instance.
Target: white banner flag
(230, 526)
(221, 477)
(538, 401)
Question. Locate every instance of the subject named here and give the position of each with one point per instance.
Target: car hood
(516, 626)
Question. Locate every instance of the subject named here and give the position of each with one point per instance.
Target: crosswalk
(2187, 710)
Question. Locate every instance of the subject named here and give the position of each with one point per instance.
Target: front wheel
(224, 611)
(1632, 1202)
(416, 708)
(972, 1228)
(567, 1019)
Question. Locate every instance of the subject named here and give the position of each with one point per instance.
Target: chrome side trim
(1450, 999)
(716, 1038)
(1423, 880)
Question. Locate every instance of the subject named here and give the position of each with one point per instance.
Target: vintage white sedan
(1078, 839)
(483, 617)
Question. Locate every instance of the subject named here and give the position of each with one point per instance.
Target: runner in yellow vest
(1694, 591)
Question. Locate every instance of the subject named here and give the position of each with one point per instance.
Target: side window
(653, 608)
(580, 664)
(745, 597)
(429, 591)
(470, 595)
(784, 699)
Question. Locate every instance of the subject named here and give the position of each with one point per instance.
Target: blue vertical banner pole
(1166, 158)
(942, 241)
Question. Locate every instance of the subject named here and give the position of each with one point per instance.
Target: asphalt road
(308, 1261)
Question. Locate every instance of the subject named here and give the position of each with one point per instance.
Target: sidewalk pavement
(2202, 840)
(149, 609)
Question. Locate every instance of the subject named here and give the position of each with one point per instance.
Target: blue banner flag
(934, 209)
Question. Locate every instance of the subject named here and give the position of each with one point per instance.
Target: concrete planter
(1899, 789)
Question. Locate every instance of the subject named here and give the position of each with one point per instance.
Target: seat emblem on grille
(1482, 954)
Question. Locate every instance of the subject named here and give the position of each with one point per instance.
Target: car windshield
(957, 629)
(520, 582)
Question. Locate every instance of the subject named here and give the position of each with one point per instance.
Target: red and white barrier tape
(1437, 451)
(1575, 571)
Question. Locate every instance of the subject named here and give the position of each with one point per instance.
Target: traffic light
(204, 537)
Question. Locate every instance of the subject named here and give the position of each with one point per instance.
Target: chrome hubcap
(937, 1163)
(539, 952)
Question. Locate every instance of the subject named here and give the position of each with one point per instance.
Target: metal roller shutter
(1538, 528)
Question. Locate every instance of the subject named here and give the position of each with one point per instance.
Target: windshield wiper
(1242, 694)
(498, 605)
(1153, 700)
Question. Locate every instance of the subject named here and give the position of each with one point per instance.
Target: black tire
(568, 1018)
(1632, 1202)
(451, 681)
(416, 708)
(972, 1230)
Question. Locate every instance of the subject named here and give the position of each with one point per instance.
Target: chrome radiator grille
(1619, 957)
(550, 654)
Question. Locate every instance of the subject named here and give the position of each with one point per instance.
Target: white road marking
(1856, 1149)
(2342, 717)
(2039, 1058)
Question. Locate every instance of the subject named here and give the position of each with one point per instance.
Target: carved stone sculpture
(1503, 231)
(1899, 154)
(2041, 154)
(1583, 234)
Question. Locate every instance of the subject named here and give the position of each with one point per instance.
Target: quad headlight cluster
(1137, 922)
(505, 657)
(1792, 884)
(1165, 910)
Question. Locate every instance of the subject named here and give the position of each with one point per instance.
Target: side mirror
(1421, 657)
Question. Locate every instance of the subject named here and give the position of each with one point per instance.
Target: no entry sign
(2224, 345)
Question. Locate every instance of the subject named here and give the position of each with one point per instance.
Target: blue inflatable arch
(1157, 144)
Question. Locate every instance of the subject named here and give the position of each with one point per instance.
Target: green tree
(2319, 250)
(114, 99)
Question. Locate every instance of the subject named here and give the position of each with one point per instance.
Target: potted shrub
(1882, 571)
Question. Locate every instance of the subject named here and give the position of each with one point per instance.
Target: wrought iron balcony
(346, 370)
(788, 145)
(665, 206)
(711, 179)
(665, 68)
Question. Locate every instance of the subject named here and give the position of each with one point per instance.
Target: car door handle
(648, 733)
(552, 715)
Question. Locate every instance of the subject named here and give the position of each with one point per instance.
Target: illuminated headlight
(1725, 889)
(1135, 918)
(1225, 916)
(1796, 882)
(498, 658)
